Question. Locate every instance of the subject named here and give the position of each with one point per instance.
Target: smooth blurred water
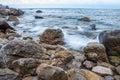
(79, 33)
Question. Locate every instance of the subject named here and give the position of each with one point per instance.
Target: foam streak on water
(79, 33)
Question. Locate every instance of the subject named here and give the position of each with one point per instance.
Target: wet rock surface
(52, 36)
(86, 19)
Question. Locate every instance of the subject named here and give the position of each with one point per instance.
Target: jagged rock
(47, 72)
(52, 36)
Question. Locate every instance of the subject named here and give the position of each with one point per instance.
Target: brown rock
(52, 36)
(99, 49)
(91, 75)
(102, 70)
(76, 74)
(15, 12)
(84, 19)
(67, 55)
(47, 72)
(25, 65)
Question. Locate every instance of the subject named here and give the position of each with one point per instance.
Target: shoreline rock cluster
(48, 59)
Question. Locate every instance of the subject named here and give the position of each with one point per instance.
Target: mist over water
(78, 33)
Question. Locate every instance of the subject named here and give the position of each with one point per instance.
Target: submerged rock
(52, 36)
(15, 12)
(38, 17)
(84, 19)
(17, 49)
(47, 72)
(38, 11)
(93, 26)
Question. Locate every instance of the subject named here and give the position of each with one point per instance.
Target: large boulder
(52, 36)
(111, 40)
(47, 72)
(95, 51)
(66, 55)
(17, 49)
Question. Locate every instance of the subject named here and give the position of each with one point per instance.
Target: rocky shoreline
(48, 59)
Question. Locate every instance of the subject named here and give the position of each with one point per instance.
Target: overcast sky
(63, 3)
